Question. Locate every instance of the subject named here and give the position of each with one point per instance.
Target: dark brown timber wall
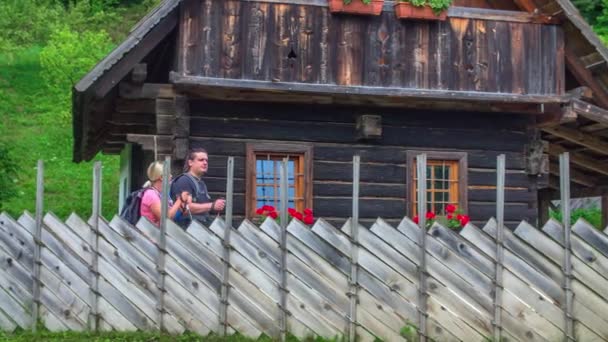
(225, 128)
(305, 43)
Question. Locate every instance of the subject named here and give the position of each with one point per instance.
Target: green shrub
(591, 215)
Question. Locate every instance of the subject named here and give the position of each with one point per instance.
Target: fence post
(227, 247)
(37, 243)
(94, 242)
(564, 172)
(354, 251)
(162, 244)
(422, 272)
(283, 286)
(500, 217)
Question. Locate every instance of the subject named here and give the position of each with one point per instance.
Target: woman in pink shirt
(151, 199)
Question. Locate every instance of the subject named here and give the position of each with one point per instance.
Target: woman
(151, 199)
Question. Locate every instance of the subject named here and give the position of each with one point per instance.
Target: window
(445, 181)
(263, 175)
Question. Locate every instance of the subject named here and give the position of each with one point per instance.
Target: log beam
(593, 143)
(580, 160)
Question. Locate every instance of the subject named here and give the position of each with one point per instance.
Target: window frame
(460, 157)
(253, 149)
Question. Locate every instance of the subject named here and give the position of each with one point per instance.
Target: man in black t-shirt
(196, 165)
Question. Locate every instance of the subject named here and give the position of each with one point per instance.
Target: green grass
(36, 124)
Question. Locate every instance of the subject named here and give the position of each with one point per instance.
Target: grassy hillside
(35, 104)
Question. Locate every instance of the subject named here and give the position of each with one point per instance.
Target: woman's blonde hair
(155, 172)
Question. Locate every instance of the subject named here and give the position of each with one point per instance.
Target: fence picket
(317, 267)
(592, 236)
(300, 310)
(539, 280)
(198, 257)
(580, 247)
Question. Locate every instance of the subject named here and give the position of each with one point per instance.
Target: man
(196, 165)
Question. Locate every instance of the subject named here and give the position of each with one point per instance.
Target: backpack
(131, 211)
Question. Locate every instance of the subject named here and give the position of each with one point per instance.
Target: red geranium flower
(298, 215)
(416, 219)
(450, 208)
(273, 214)
(430, 215)
(450, 216)
(464, 220)
(308, 219)
(292, 212)
(308, 211)
(259, 211)
(267, 208)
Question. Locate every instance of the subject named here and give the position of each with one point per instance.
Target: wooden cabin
(264, 80)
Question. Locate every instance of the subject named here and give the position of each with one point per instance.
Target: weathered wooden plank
(62, 266)
(299, 297)
(133, 264)
(472, 286)
(139, 295)
(211, 38)
(453, 243)
(256, 43)
(583, 250)
(536, 275)
(330, 267)
(200, 298)
(397, 293)
(112, 295)
(408, 269)
(591, 286)
(592, 236)
(230, 66)
(15, 309)
(197, 256)
(51, 309)
(131, 284)
(6, 324)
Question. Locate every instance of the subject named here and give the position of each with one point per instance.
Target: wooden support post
(564, 165)
(94, 242)
(500, 217)
(544, 203)
(227, 246)
(354, 252)
(283, 286)
(422, 272)
(162, 244)
(37, 244)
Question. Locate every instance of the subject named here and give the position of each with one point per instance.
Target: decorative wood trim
(279, 147)
(500, 15)
(112, 77)
(462, 159)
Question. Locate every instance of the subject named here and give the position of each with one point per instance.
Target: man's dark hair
(190, 156)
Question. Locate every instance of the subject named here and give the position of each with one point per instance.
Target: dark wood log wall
(225, 128)
(305, 43)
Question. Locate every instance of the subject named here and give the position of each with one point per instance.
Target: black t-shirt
(198, 189)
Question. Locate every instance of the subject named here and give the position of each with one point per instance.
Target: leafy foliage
(8, 174)
(67, 57)
(436, 5)
(592, 215)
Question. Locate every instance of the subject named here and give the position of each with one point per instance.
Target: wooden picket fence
(187, 295)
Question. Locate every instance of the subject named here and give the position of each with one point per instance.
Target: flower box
(405, 10)
(356, 7)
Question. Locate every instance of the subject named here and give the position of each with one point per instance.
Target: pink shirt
(150, 197)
